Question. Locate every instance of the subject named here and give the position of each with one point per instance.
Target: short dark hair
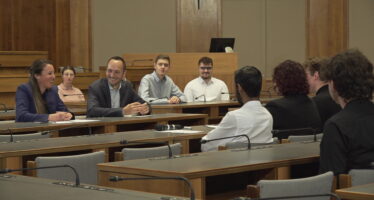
(352, 74)
(290, 78)
(316, 64)
(117, 58)
(205, 60)
(163, 57)
(250, 79)
(67, 68)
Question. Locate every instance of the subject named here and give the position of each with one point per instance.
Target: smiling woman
(38, 100)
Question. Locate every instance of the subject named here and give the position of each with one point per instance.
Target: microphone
(65, 95)
(203, 95)
(11, 135)
(165, 127)
(4, 107)
(152, 100)
(77, 182)
(284, 133)
(229, 93)
(192, 193)
(290, 197)
(158, 143)
(243, 135)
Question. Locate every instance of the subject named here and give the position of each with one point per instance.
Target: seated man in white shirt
(251, 119)
(206, 87)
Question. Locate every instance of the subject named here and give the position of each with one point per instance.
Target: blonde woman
(66, 90)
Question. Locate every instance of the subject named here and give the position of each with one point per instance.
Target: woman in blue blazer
(38, 100)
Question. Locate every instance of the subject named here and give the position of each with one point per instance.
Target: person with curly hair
(314, 68)
(295, 109)
(348, 140)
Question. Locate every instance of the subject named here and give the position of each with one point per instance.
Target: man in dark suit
(317, 84)
(348, 140)
(113, 97)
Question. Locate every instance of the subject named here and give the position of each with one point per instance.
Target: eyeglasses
(206, 68)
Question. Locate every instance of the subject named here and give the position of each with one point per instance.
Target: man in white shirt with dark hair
(206, 87)
(251, 119)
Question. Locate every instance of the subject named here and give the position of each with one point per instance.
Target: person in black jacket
(112, 96)
(295, 109)
(327, 107)
(348, 140)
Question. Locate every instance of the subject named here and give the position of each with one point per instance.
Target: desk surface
(15, 187)
(98, 141)
(197, 104)
(102, 121)
(361, 192)
(220, 162)
(202, 166)
(11, 114)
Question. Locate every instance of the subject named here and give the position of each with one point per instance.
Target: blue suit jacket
(25, 105)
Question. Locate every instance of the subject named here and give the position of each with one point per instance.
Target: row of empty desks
(15, 187)
(205, 170)
(104, 124)
(360, 192)
(14, 154)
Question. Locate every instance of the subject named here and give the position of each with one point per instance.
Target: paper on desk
(77, 121)
(181, 131)
(212, 126)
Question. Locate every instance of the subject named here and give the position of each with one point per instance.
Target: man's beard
(238, 96)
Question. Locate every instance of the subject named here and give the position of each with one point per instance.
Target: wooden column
(197, 22)
(327, 27)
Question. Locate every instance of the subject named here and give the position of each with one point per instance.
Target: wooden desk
(107, 124)
(12, 81)
(205, 165)
(12, 154)
(215, 109)
(14, 187)
(361, 192)
(11, 114)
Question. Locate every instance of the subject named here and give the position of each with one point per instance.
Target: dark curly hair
(352, 74)
(290, 79)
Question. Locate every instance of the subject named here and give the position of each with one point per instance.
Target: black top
(348, 140)
(294, 111)
(99, 101)
(325, 105)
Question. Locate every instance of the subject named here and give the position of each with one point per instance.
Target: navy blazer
(25, 104)
(99, 101)
(294, 111)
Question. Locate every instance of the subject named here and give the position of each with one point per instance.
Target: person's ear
(316, 75)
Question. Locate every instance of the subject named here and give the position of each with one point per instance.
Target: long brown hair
(36, 69)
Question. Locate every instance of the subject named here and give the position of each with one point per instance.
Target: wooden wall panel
(80, 31)
(62, 48)
(184, 66)
(45, 25)
(33, 25)
(327, 27)
(5, 24)
(196, 24)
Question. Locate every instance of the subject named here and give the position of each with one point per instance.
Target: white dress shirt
(114, 96)
(251, 119)
(214, 90)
